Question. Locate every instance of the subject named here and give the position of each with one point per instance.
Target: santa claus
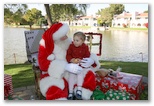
(52, 63)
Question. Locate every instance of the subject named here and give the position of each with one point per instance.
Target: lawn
(119, 28)
(140, 68)
(22, 74)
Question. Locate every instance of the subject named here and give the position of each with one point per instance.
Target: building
(135, 20)
(85, 21)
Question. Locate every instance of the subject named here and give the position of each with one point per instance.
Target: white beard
(60, 48)
(63, 44)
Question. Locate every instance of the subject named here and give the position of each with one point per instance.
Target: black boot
(70, 96)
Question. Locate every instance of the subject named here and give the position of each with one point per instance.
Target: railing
(15, 58)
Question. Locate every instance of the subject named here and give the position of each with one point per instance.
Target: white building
(136, 20)
(85, 21)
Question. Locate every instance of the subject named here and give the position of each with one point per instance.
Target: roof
(126, 15)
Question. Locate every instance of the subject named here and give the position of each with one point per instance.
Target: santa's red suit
(52, 62)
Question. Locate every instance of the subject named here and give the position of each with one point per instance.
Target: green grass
(117, 28)
(85, 27)
(140, 68)
(22, 74)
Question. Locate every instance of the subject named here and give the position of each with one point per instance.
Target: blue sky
(95, 7)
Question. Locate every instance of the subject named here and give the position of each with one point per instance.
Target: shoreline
(129, 30)
(85, 27)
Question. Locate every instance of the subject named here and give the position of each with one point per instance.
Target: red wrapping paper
(8, 87)
(131, 83)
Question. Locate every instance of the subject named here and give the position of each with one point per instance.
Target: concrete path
(26, 93)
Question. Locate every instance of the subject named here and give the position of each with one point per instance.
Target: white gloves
(73, 68)
(86, 62)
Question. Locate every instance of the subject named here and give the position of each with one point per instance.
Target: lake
(117, 45)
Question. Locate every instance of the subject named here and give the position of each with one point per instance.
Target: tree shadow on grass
(22, 75)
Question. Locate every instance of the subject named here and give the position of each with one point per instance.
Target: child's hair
(81, 35)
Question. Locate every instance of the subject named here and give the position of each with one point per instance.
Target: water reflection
(116, 45)
(14, 45)
(125, 46)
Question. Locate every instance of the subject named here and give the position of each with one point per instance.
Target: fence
(16, 58)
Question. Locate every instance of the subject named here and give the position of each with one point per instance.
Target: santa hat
(55, 32)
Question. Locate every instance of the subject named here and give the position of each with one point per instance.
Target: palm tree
(48, 14)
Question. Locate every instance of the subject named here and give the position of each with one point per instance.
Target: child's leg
(79, 85)
(71, 83)
(80, 80)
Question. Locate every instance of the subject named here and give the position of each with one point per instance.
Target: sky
(93, 8)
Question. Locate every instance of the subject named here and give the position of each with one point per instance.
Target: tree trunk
(49, 19)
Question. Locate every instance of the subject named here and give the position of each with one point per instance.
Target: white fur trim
(51, 57)
(95, 58)
(56, 68)
(47, 82)
(42, 43)
(61, 99)
(86, 93)
(62, 31)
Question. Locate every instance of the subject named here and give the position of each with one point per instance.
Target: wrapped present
(8, 87)
(105, 83)
(131, 83)
(117, 95)
(97, 95)
(123, 81)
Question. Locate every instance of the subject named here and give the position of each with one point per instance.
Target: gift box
(131, 83)
(8, 87)
(105, 83)
(117, 95)
(97, 95)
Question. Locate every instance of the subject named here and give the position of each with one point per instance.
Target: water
(119, 45)
(14, 45)
(125, 46)
(116, 45)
